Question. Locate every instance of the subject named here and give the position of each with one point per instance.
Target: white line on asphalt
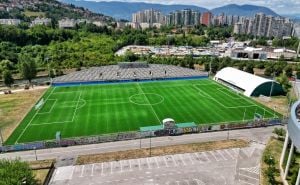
(121, 167)
(229, 154)
(191, 159)
(71, 176)
(93, 165)
(220, 152)
(180, 155)
(246, 182)
(101, 169)
(155, 158)
(212, 153)
(175, 163)
(82, 170)
(139, 164)
(248, 176)
(204, 154)
(149, 166)
(164, 157)
(111, 168)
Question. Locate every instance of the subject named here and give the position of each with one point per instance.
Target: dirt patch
(165, 150)
(13, 108)
(41, 169)
(280, 102)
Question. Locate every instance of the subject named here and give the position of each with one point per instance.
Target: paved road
(228, 166)
(259, 135)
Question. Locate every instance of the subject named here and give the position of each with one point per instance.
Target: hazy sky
(280, 6)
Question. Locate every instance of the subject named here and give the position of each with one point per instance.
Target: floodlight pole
(272, 84)
(1, 137)
(150, 142)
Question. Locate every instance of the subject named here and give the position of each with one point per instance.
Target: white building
(248, 84)
(67, 23)
(41, 21)
(14, 22)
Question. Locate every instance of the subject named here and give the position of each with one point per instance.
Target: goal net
(39, 104)
(264, 98)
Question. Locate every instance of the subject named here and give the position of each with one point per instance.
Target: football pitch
(110, 108)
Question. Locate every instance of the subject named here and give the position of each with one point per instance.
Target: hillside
(243, 10)
(124, 10)
(26, 10)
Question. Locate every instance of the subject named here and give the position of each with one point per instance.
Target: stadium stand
(124, 72)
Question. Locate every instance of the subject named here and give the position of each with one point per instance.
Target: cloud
(279, 6)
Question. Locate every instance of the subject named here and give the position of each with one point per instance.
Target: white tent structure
(249, 84)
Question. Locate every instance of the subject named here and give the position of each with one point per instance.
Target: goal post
(39, 104)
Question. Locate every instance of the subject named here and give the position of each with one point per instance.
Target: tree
(284, 82)
(16, 172)
(288, 71)
(249, 68)
(27, 68)
(7, 78)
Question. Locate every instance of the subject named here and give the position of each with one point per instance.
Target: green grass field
(100, 109)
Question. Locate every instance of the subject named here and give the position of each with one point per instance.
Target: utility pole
(272, 84)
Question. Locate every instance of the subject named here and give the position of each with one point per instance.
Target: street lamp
(35, 153)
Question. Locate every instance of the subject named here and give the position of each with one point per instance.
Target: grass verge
(274, 149)
(41, 169)
(164, 150)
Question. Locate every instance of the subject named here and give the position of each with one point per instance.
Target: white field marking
(32, 118)
(64, 92)
(246, 182)
(54, 122)
(212, 153)
(93, 165)
(164, 157)
(204, 154)
(228, 107)
(174, 161)
(149, 103)
(229, 154)
(102, 169)
(155, 158)
(228, 94)
(220, 152)
(148, 164)
(247, 176)
(191, 159)
(180, 155)
(76, 106)
(82, 170)
(50, 108)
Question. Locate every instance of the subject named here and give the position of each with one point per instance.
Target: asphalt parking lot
(229, 166)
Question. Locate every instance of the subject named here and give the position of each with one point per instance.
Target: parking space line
(93, 165)
(102, 169)
(221, 154)
(229, 154)
(149, 166)
(213, 155)
(130, 165)
(204, 154)
(71, 176)
(111, 168)
(191, 159)
(139, 164)
(82, 170)
(121, 167)
(164, 157)
(180, 155)
(246, 182)
(198, 156)
(155, 158)
(249, 177)
(175, 163)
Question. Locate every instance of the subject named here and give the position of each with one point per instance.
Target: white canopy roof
(241, 79)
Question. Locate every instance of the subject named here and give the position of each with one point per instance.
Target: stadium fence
(140, 135)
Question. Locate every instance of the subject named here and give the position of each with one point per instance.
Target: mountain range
(124, 10)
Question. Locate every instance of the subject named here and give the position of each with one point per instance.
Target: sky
(279, 6)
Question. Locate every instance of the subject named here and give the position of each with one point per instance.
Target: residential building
(13, 22)
(206, 18)
(41, 21)
(67, 23)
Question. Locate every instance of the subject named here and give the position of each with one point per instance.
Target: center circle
(146, 99)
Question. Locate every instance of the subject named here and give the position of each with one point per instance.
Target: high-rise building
(206, 18)
(147, 16)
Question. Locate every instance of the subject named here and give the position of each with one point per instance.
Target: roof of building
(115, 72)
(151, 128)
(241, 79)
(185, 125)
